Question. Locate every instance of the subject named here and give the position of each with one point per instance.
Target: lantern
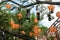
(58, 14)
(36, 30)
(51, 8)
(35, 20)
(52, 29)
(19, 15)
(8, 6)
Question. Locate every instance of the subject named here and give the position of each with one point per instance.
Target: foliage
(44, 29)
(25, 25)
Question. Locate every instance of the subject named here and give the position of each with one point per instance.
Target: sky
(45, 21)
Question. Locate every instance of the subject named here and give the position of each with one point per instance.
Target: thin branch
(39, 2)
(17, 4)
(2, 2)
(43, 2)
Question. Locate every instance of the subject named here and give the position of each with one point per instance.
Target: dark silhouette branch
(25, 37)
(39, 2)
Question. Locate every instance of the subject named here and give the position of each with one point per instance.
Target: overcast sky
(45, 21)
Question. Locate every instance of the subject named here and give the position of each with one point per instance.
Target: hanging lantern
(19, 16)
(36, 30)
(35, 20)
(58, 14)
(51, 8)
(38, 14)
(52, 29)
(31, 33)
(8, 6)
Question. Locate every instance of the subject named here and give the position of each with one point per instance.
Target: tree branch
(39, 2)
(25, 37)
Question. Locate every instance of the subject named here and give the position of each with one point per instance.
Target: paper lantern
(36, 30)
(51, 8)
(8, 6)
(30, 33)
(35, 20)
(52, 29)
(19, 16)
(58, 14)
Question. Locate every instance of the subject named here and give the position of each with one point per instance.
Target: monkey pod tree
(18, 23)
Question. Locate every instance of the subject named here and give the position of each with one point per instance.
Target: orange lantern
(52, 29)
(58, 14)
(51, 7)
(35, 27)
(8, 6)
(13, 26)
(35, 20)
(19, 16)
(11, 22)
(17, 25)
(36, 31)
(30, 33)
(39, 30)
(23, 32)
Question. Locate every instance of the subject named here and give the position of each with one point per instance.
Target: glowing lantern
(36, 30)
(8, 6)
(35, 20)
(15, 26)
(51, 8)
(19, 16)
(52, 29)
(35, 27)
(30, 33)
(58, 14)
